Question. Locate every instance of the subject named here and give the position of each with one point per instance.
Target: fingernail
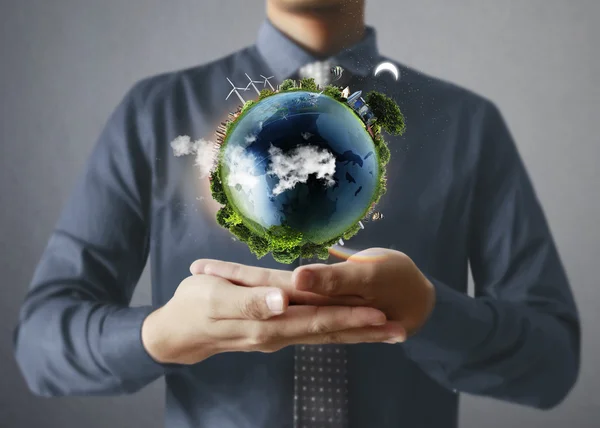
(395, 340)
(275, 302)
(194, 268)
(378, 323)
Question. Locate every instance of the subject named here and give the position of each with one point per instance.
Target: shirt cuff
(124, 351)
(456, 326)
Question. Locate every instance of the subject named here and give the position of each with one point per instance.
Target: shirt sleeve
(76, 332)
(518, 339)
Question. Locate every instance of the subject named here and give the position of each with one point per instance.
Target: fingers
(301, 321)
(228, 301)
(350, 278)
(303, 325)
(389, 333)
(252, 276)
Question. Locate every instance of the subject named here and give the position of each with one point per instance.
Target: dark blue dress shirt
(458, 195)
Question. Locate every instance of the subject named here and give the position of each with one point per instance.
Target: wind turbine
(252, 83)
(267, 81)
(235, 91)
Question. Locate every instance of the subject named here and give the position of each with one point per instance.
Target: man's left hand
(384, 279)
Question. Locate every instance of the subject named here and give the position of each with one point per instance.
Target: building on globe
(359, 105)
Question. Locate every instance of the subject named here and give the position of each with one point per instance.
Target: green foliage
(287, 84)
(287, 256)
(223, 215)
(308, 84)
(258, 245)
(352, 231)
(233, 219)
(309, 250)
(229, 127)
(241, 232)
(387, 112)
(331, 242)
(376, 128)
(333, 91)
(265, 93)
(248, 104)
(283, 238)
(384, 154)
(322, 253)
(216, 188)
(382, 186)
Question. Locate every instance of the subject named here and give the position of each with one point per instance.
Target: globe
(281, 128)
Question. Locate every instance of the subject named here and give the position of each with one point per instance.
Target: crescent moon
(387, 66)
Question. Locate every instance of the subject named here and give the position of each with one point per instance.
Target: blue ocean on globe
(320, 209)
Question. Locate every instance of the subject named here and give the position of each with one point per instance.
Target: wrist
(154, 337)
(427, 305)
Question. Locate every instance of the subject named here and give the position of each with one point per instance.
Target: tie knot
(318, 70)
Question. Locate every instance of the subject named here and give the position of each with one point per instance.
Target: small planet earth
(324, 193)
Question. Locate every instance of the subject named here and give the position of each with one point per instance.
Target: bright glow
(388, 66)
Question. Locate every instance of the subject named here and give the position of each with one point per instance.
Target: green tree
(287, 256)
(387, 112)
(223, 215)
(384, 153)
(323, 253)
(308, 84)
(333, 91)
(282, 238)
(287, 84)
(309, 250)
(241, 232)
(258, 245)
(216, 188)
(265, 93)
(248, 104)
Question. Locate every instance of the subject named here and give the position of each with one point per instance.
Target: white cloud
(183, 146)
(206, 157)
(295, 167)
(206, 153)
(241, 168)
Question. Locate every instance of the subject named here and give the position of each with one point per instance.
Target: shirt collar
(284, 57)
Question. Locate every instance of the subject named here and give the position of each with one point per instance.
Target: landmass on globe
(298, 168)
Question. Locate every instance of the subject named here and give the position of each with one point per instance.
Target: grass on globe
(284, 243)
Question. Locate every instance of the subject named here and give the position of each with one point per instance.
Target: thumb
(259, 303)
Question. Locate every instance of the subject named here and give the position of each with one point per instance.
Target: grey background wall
(65, 64)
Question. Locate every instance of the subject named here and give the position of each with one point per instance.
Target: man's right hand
(209, 315)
